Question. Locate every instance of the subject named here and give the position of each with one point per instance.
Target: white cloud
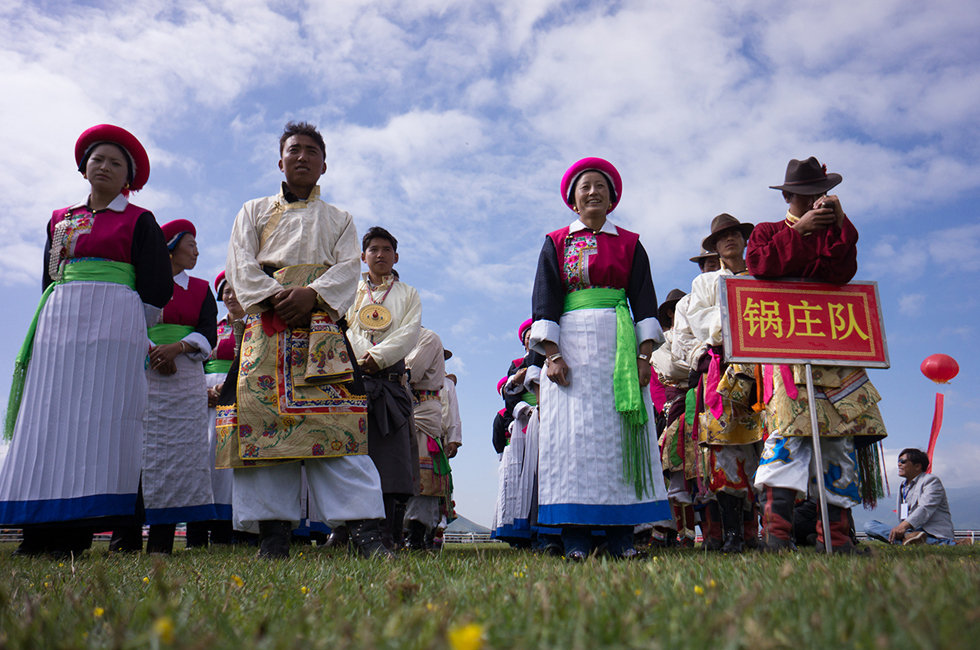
(911, 304)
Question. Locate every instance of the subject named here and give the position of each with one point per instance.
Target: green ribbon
(637, 459)
(214, 366)
(163, 333)
(83, 270)
(529, 398)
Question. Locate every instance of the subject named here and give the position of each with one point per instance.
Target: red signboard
(787, 321)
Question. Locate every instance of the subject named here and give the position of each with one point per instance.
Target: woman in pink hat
(219, 530)
(598, 466)
(519, 458)
(176, 464)
(79, 392)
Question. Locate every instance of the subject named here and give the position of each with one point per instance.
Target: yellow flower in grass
(163, 628)
(304, 590)
(98, 612)
(467, 637)
(146, 580)
(237, 580)
(712, 583)
(699, 590)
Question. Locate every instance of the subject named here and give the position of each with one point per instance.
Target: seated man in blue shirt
(923, 510)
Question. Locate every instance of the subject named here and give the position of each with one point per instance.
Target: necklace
(374, 316)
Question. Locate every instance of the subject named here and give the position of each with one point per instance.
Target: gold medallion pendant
(374, 317)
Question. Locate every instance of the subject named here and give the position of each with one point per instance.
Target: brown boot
(840, 531)
(777, 518)
(750, 526)
(711, 526)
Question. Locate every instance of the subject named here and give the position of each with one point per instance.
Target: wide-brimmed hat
(672, 298)
(604, 167)
(807, 177)
(174, 230)
(102, 133)
(705, 255)
(721, 223)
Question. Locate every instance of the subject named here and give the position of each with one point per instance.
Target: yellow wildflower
(637, 592)
(98, 612)
(712, 584)
(467, 637)
(163, 628)
(699, 590)
(237, 580)
(146, 580)
(304, 590)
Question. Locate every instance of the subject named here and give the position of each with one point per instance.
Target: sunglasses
(902, 461)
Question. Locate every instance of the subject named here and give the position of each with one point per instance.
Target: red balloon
(940, 368)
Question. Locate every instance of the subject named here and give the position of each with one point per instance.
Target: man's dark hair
(916, 457)
(377, 232)
(301, 128)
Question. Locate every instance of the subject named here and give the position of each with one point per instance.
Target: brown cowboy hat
(721, 223)
(672, 298)
(807, 177)
(705, 255)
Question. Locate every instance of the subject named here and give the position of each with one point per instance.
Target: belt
(424, 395)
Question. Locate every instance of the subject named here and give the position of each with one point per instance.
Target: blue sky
(451, 123)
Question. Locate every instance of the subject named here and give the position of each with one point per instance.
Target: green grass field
(493, 597)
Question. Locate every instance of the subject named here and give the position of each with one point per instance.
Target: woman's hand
(162, 357)
(644, 371)
(558, 371)
(213, 393)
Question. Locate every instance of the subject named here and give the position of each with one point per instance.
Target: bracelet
(554, 357)
(184, 351)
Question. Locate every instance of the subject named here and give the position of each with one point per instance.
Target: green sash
(213, 366)
(85, 270)
(637, 460)
(163, 333)
(529, 398)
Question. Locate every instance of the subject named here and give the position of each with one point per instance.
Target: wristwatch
(645, 357)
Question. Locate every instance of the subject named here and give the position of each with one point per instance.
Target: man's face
(380, 256)
(730, 243)
(710, 264)
(302, 161)
(800, 204)
(906, 469)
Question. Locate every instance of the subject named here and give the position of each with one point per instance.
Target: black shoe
(416, 536)
(366, 535)
(576, 556)
(274, 539)
(339, 537)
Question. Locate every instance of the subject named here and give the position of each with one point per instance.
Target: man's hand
(815, 220)
(831, 201)
(295, 305)
(451, 449)
(898, 532)
(519, 376)
(368, 364)
(213, 393)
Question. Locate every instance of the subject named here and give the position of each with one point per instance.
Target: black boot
(366, 535)
(197, 534)
(128, 539)
(395, 522)
(416, 536)
(274, 539)
(711, 527)
(731, 523)
(161, 539)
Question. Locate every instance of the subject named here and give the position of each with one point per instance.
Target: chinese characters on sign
(802, 322)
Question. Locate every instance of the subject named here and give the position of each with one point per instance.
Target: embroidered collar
(608, 227)
(386, 281)
(118, 204)
(289, 197)
(182, 280)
